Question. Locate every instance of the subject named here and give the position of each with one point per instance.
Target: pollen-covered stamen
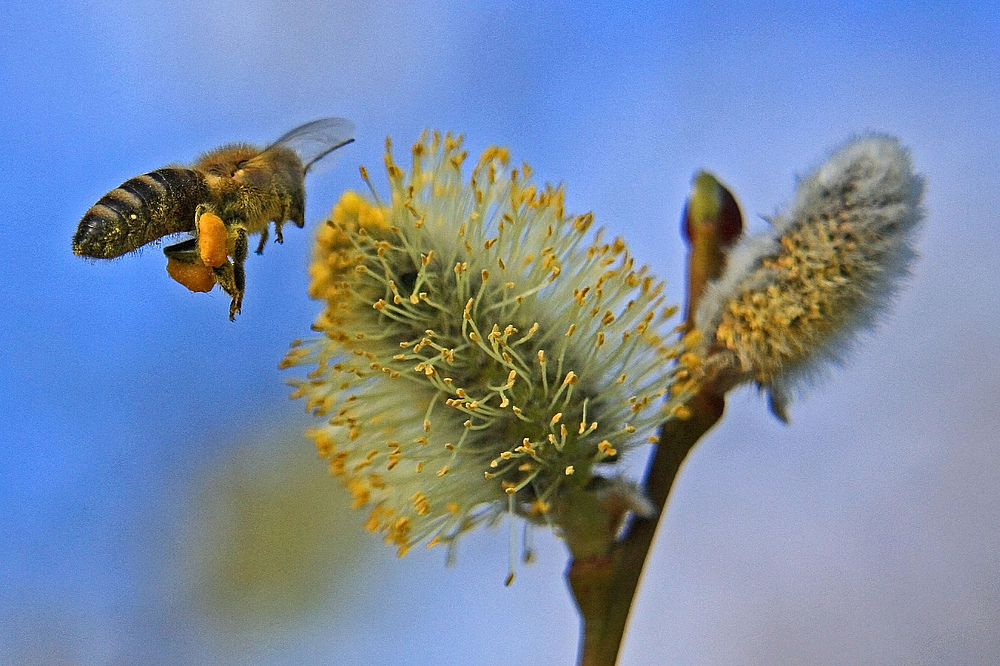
(568, 382)
(605, 449)
(525, 449)
(514, 488)
(513, 300)
(544, 374)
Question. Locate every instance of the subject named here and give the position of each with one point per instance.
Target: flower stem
(604, 586)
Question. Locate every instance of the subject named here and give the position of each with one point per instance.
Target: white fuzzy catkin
(793, 299)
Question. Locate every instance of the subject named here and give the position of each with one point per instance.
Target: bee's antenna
(325, 153)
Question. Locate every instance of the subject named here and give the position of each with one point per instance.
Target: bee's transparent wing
(317, 139)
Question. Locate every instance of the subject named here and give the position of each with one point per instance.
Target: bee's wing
(314, 141)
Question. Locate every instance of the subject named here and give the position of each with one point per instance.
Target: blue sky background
(865, 532)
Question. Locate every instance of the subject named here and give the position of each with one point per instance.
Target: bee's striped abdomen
(139, 211)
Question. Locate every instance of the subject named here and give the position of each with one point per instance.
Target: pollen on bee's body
(196, 277)
(213, 238)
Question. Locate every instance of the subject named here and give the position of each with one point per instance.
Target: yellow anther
(681, 411)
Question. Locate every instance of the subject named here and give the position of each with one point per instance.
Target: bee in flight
(227, 195)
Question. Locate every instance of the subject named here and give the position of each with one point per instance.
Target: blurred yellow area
(271, 537)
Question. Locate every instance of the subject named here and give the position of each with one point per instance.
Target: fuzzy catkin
(483, 352)
(795, 298)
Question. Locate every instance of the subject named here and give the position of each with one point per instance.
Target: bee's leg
(263, 240)
(277, 231)
(239, 274)
(231, 275)
(226, 277)
(296, 211)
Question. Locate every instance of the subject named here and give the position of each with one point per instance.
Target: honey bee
(227, 195)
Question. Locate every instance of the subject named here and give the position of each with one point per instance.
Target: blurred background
(157, 504)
